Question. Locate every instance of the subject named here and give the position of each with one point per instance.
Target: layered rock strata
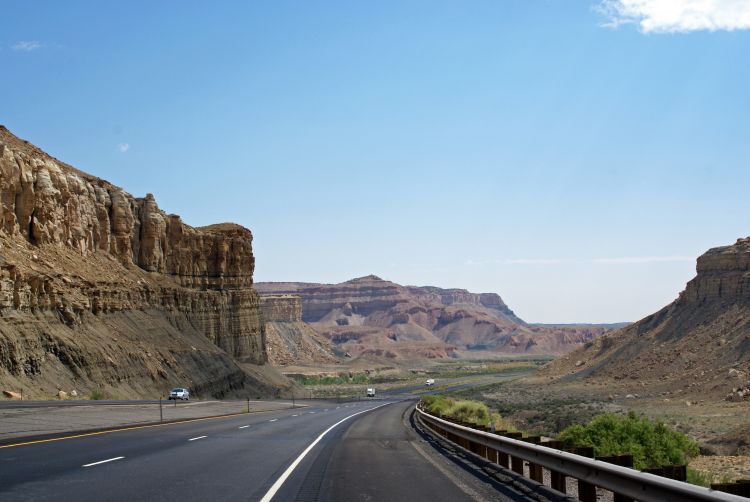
(371, 316)
(78, 252)
(281, 308)
(290, 340)
(698, 343)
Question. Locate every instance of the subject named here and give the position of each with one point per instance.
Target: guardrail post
(161, 413)
(741, 487)
(516, 464)
(586, 491)
(625, 461)
(535, 470)
(502, 458)
(557, 479)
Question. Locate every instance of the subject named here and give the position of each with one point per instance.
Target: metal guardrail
(622, 481)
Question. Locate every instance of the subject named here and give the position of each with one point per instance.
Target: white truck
(430, 382)
(370, 392)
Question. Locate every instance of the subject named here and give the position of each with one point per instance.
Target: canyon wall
(371, 316)
(703, 337)
(290, 341)
(281, 308)
(78, 250)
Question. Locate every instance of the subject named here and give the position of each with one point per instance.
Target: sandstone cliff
(99, 288)
(289, 340)
(699, 343)
(372, 317)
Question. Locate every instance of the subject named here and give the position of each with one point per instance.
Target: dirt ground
(721, 428)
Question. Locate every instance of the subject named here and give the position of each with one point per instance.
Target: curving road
(354, 451)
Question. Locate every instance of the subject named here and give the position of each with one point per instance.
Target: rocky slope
(100, 289)
(371, 316)
(289, 340)
(699, 344)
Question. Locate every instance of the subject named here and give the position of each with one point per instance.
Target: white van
(430, 381)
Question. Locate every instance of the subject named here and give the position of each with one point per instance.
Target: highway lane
(369, 456)
(231, 461)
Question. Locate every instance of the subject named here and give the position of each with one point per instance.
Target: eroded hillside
(699, 344)
(369, 316)
(103, 290)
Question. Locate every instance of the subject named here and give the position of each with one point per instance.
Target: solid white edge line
(275, 487)
(102, 462)
(199, 437)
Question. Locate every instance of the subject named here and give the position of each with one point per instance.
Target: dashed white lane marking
(243, 426)
(273, 419)
(102, 462)
(275, 487)
(195, 439)
(295, 415)
(311, 412)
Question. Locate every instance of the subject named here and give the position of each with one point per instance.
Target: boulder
(12, 395)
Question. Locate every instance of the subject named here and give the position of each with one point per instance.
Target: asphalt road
(352, 451)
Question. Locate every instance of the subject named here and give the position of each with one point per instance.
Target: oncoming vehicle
(370, 392)
(430, 381)
(179, 393)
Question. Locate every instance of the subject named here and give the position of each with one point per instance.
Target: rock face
(370, 316)
(702, 338)
(289, 340)
(81, 256)
(281, 308)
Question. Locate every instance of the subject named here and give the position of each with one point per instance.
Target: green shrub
(358, 379)
(470, 411)
(651, 442)
(96, 395)
(463, 410)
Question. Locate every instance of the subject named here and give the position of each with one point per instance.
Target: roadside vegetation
(358, 379)
(651, 442)
(453, 369)
(464, 410)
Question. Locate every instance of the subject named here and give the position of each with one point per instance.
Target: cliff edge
(103, 290)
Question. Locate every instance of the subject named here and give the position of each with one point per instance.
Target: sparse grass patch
(96, 395)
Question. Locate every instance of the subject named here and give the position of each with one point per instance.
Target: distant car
(370, 392)
(179, 393)
(430, 381)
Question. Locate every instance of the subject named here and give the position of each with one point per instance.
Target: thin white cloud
(678, 16)
(624, 260)
(518, 261)
(27, 45)
(123, 147)
(636, 260)
(533, 261)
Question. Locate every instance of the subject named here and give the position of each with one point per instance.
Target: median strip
(102, 462)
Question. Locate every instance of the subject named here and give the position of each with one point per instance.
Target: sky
(573, 156)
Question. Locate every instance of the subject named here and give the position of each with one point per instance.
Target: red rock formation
(371, 316)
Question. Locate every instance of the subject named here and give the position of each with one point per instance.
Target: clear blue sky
(517, 147)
